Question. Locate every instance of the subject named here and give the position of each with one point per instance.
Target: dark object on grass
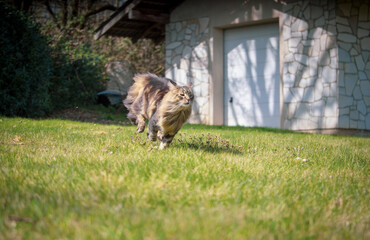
(113, 97)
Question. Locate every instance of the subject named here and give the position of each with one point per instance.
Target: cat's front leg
(131, 117)
(166, 141)
(140, 123)
(153, 129)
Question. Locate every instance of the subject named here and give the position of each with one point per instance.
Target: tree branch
(64, 12)
(101, 9)
(96, 11)
(75, 8)
(50, 11)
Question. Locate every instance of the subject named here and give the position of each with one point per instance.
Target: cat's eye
(182, 95)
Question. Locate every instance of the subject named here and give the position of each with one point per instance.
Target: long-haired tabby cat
(166, 105)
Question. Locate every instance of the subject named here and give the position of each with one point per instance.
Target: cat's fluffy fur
(166, 105)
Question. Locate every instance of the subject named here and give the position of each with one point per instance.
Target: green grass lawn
(70, 180)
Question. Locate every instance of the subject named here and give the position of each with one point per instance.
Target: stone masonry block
(362, 33)
(301, 58)
(350, 83)
(307, 82)
(343, 121)
(331, 107)
(361, 125)
(367, 121)
(308, 95)
(345, 101)
(343, 55)
(365, 43)
(353, 115)
(320, 21)
(343, 28)
(360, 63)
(286, 33)
(345, 46)
(317, 108)
(318, 90)
(289, 80)
(361, 107)
(357, 93)
(329, 74)
(173, 45)
(350, 68)
(302, 111)
(324, 58)
(365, 87)
(344, 111)
(315, 33)
(293, 42)
(353, 123)
(330, 122)
(345, 37)
(316, 12)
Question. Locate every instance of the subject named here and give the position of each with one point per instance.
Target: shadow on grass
(209, 143)
(93, 114)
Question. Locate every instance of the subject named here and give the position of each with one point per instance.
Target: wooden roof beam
(100, 32)
(125, 29)
(137, 15)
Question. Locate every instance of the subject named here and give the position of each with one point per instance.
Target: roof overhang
(139, 19)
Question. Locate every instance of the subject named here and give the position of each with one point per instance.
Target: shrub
(25, 66)
(39, 75)
(78, 75)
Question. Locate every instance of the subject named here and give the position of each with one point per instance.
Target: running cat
(166, 105)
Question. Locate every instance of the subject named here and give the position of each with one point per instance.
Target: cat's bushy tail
(139, 82)
(135, 90)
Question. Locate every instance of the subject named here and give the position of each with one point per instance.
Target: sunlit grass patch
(64, 179)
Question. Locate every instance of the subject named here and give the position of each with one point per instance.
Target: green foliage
(40, 75)
(78, 74)
(25, 66)
(145, 55)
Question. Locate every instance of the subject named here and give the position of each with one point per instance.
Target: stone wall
(326, 64)
(325, 59)
(188, 60)
(310, 65)
(353, 29)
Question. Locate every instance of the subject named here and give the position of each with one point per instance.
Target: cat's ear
(189, 85)
(171, 84)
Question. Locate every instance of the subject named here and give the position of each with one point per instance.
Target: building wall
(199, 26)
(310, 65)
(324, 58)
(187, 60)
(353, 29)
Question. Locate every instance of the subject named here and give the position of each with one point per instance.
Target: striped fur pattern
(166, 105)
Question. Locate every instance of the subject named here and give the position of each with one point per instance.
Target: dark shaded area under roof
(139, 19)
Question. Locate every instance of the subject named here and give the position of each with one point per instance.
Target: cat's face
(183, 95)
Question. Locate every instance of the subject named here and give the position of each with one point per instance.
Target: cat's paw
(152, 137)
(163, 146)
(140, 129)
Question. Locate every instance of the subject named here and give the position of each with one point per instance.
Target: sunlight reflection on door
(251, 76)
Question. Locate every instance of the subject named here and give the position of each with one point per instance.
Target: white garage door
(252, 76)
